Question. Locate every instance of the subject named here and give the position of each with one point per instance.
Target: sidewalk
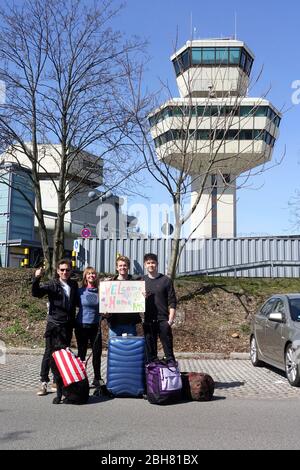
(233, 378)
(179, 355)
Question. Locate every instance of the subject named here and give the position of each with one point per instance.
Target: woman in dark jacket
(88, 322)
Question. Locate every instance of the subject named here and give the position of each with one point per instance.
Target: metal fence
(245, 257)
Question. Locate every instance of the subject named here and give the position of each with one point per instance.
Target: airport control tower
(214, 131)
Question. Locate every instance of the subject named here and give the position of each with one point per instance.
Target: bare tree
(190, 136)
(60, 62)
(294, 207)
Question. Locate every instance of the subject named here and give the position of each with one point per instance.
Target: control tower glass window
(177, 67)
(243, 60)
(213, 56)
(185, 59)
(196, 55)
(234, 55)
(246, 110)
(261, 111)
(221, 55)
(208, 55)
(248, 65)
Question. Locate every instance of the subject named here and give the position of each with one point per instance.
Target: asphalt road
(126, 424)
(253, 408)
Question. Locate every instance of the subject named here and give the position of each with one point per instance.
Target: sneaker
(103, 389)
(53, 387)
(96, 383)
(43, 389)
(97, 392)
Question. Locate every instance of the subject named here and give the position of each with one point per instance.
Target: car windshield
(295, 309)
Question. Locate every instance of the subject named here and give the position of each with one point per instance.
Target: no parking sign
(86, 233)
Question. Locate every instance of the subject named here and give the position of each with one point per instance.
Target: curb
(179, 354)
(211, 355)
(26, 351)
(237, 355)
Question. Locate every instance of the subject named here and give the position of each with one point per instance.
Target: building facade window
(214, 134)
(210, 111)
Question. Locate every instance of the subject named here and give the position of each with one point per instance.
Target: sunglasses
(67, 270)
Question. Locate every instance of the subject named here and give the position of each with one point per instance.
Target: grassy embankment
(213, 313)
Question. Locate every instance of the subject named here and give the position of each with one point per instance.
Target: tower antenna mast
(235, 20)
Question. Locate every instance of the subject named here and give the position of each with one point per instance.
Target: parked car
(275, 335)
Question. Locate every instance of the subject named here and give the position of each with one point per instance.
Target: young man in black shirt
(160, 310)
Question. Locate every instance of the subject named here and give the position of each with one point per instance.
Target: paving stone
(233, 378)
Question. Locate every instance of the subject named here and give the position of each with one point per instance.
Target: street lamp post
(93, 196)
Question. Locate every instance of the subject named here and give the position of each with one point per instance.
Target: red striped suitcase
(71, 368)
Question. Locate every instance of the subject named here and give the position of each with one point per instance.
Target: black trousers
(152, 331)
(90, 334)
(65, 332)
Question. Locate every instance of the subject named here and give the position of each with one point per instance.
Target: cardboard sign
(122, 296)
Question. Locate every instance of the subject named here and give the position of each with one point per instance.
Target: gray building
(16, 217)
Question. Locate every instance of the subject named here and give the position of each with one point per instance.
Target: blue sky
(271, 30)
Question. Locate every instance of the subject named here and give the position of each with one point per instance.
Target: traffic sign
(167, 229)
(86, 233)
(76, 246)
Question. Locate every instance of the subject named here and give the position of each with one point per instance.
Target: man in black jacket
(160, 310)
(62, 294)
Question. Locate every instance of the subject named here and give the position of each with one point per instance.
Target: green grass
(33, 311)
(245, 328)
(247, 286)
(16, 329)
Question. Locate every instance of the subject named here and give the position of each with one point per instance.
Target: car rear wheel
(253, 353)
(292, 366)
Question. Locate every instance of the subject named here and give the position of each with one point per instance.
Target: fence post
(74, 259)
(272, 270)
(25, 262)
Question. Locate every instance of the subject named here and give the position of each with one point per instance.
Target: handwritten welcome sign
(122, 296)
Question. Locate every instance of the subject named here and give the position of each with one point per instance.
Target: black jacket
(61, 308)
